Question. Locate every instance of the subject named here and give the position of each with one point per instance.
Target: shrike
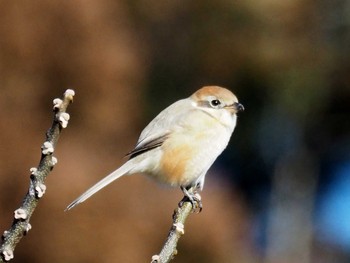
(181, 143)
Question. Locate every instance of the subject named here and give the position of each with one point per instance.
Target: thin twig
(169, 251)
(22, 215)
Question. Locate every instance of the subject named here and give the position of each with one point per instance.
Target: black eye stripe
(212, 103)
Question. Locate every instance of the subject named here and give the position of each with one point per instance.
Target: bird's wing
(150, 144)
(161, 127)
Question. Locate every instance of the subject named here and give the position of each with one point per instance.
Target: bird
(181, 143)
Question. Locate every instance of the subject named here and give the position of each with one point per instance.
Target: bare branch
(22, 215)
(177, 229)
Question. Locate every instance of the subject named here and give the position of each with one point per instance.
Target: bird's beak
(238, 106)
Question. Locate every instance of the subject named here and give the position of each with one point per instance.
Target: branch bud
(47, 148)
(20, 213)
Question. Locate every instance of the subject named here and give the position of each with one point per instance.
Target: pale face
(219, 102)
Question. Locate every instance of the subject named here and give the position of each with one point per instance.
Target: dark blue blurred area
(332, 215)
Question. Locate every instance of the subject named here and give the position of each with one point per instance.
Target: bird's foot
(192, 196)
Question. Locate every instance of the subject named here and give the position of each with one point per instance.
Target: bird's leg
(192, 196)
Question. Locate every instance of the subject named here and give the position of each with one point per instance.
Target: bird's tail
(124, 169)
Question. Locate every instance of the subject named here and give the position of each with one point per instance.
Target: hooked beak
(238, 106)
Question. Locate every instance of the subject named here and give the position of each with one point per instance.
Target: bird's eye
(215, 103)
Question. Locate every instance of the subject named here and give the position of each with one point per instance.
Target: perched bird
(181, 143)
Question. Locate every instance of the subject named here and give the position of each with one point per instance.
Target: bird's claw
(194, 198)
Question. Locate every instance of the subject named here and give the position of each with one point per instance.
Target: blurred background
(279, 193)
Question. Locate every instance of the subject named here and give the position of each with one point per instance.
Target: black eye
(215, 103)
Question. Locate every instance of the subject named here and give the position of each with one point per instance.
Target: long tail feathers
(104, 182)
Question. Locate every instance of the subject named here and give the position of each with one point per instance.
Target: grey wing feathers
(145, 147)
(159, 129)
